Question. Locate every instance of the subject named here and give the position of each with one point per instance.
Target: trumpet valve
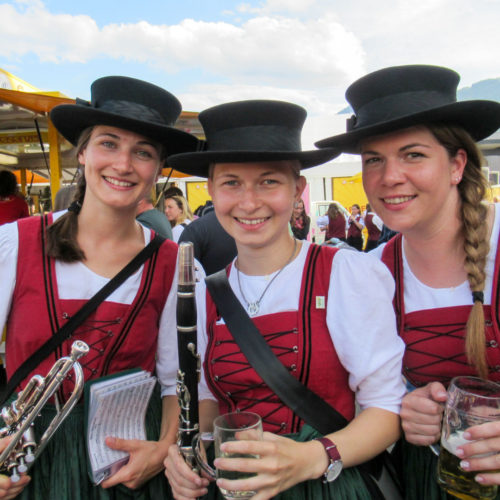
(22, 468)
(29, 444)
(14, 473)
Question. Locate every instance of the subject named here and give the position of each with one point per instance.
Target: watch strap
(330, 448)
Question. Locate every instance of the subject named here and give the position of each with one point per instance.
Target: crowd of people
(375, 335)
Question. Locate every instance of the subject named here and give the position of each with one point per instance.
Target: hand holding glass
(471, 401)
(235, 426)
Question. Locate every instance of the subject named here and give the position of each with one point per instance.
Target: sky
(211, 51)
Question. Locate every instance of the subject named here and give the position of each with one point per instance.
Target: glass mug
(471, 401)
(230, 427)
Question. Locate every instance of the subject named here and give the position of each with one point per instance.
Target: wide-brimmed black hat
(251, 131)
(402, 96)
(127, 103)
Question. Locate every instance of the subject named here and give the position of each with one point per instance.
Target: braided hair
(473, 214)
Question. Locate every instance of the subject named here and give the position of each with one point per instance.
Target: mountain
(485, 89)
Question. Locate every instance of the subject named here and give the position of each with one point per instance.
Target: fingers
(9, 490)
(185, 483)
(421, 414)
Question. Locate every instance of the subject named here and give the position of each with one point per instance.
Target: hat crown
(136, 99)
(253, 125)
(400, 91)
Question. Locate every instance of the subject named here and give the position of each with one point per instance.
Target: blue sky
(207, 52)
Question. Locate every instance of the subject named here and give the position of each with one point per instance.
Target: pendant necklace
(253, 307)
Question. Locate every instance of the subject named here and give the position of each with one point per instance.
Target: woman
(300, 221)
(122, 138)
(373, 224)
(254, 180)
(355, 225)
(178, 213)
(334, 223)
(422, 175)
(12, 206)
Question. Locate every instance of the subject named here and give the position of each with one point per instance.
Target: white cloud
(268, 50)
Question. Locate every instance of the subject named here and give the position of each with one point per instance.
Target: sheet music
(117, 408)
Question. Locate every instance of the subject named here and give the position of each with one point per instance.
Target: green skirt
(348, 486)
(420, 473)
(60, 472)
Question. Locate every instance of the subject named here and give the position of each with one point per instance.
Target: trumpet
(19, 416)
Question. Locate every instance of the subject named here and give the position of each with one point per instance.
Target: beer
(453, 479)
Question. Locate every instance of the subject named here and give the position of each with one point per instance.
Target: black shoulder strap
(300, 399)
(75, 321)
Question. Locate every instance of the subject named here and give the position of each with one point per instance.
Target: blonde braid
(472, 190)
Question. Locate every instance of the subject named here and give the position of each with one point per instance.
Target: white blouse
(360, 319)
(77, 281)
(420, 297)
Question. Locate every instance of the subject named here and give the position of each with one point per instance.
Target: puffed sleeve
(9, 242)
(362, 324)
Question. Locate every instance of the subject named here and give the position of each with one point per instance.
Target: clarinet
(189, 360)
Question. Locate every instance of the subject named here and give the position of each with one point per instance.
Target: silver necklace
(253, 307)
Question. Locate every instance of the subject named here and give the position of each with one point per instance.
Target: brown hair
(473, 213)
(61, 235)
(61, 241)
(333, 210)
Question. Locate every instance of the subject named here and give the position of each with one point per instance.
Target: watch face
(333, 471)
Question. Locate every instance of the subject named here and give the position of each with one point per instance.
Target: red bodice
(120, 336)
(291, 335)
(336, 227)
(435, 338)
(353, 231)
(373, 230)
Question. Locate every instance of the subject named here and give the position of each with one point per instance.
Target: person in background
(300, 221)
(122, 138)
(333, 223)
(299, 295)
(373, 224)
(12, 205)
(178, 214)
(355, 225)
(64, 197)
(150, 217)
(213, 247)
(422, 175)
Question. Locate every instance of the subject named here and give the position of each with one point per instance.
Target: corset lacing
(456, 359)
(89, 362)
(234, 387)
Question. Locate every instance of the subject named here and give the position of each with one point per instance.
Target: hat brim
(479, 118)
(197, 164)
(71, 120)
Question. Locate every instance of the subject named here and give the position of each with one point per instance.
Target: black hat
(251, 131)
(127, 103)
(402, 96)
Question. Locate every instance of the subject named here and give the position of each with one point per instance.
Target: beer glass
(471, 401)
(232, 427)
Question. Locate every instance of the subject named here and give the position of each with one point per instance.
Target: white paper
(117, 408)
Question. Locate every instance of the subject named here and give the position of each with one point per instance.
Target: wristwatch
(335, 466)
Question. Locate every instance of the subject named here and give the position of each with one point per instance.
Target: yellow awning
(34, 101)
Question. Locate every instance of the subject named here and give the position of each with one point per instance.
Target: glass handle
(204, 436)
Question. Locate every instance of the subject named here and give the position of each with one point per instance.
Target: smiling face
(410, 179)
(254, 201)
(120, 167)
